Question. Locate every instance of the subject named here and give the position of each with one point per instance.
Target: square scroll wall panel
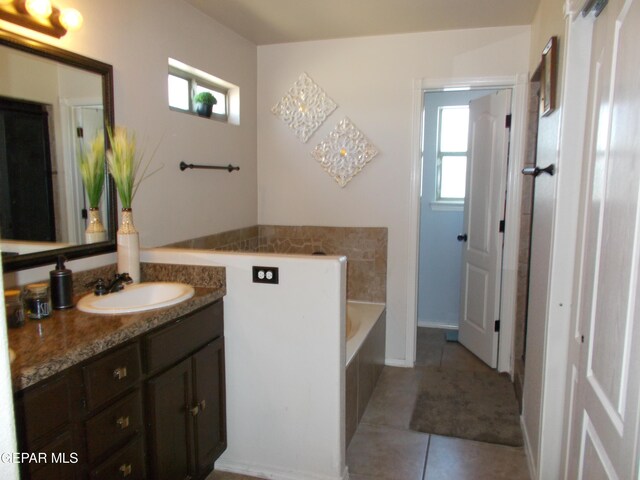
(304, 108)
(345, 152)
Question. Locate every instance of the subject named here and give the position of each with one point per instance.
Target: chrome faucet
(117, 284)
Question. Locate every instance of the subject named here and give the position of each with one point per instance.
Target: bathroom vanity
(122, 396)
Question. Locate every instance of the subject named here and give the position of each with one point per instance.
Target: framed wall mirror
(51, 102)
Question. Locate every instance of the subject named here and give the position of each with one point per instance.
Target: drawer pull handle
(120, 373)
(203, 404)
(194, 411)
(125, 469)
(123, 422)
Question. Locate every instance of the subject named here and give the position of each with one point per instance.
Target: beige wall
(548, 21)
(137, 38)
(372, 80)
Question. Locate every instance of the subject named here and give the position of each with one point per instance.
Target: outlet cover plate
(266, 275)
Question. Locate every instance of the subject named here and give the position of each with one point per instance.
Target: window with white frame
(451, 155)
(184, 82)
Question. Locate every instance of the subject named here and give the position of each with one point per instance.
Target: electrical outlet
(265, 275)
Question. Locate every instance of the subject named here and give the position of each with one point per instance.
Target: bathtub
(361, 318)
(366, 329)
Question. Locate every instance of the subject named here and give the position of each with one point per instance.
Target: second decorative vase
(95, 231)
(128, 247)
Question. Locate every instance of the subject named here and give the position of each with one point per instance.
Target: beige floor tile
(431, 335)
(454, 458)
(394, 397)
(454, 355)
(387, 453)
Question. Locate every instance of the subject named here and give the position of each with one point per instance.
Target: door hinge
(80, 132)
(496, 326)
(507, 121)
(501, 226)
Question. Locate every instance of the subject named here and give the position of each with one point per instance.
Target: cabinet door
(170, 423)
(209, 389)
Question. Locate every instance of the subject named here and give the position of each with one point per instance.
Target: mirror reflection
(48, 111)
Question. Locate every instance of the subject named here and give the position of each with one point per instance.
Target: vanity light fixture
(41, 16)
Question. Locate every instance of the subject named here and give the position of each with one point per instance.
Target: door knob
(462, 237)
(535, 171)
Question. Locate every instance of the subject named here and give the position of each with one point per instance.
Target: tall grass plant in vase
(126, 167)
(91, 163)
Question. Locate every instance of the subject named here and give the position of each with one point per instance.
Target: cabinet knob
(194, 410)
(125, 469)
(203, 404)
(120, 373)
(123, 422)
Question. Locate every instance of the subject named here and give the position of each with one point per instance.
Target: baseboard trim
(436, 324)
(533, 474)
(395, 362)
(274, 473)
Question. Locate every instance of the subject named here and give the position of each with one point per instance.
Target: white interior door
(483, 211)
(605, 387)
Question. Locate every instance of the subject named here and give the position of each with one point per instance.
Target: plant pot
(204, 110)
(128, 247)
(95, 231)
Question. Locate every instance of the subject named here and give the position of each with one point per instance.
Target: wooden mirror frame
(105, 70)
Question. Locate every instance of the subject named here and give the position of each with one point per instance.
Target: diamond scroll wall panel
(345, 152)
(304, 108)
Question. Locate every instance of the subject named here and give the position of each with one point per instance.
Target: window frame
(194, 82)
(439, 199)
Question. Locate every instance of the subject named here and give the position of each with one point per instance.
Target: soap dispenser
(61, 285)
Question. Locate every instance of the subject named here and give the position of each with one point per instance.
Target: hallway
(385, 448)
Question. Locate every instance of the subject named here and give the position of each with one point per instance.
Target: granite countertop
(46, 347)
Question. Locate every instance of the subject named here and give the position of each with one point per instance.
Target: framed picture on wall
(548, 77)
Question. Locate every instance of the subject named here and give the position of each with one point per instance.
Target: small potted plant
(204, 102)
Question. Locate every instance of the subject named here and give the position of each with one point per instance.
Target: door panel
(605, 414)
(484, 208)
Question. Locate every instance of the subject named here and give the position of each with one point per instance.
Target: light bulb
(39, 8)
(71, 19)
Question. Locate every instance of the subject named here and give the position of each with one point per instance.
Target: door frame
(519, 85)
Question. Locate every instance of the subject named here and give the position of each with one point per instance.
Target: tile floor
(384, 448)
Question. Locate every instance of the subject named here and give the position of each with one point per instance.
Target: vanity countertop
(46, 347)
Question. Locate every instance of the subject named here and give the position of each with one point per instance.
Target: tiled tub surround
(365, 359)
(46, 347)
(364, 247)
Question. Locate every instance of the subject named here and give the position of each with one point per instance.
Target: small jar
(36, 301)
(13, 307)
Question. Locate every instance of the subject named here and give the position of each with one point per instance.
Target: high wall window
(184, 82)
(451, 161)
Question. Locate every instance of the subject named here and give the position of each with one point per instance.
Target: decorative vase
(128, 247)
(95, 231)
(204, 110)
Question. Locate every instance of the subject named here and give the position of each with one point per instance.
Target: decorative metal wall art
(304, 108)
(344, 152)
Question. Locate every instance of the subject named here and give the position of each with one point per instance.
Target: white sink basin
(137, 298)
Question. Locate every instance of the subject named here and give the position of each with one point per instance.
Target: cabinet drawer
(127, 462)
(107, 377)
(114, 425)
(176, 341)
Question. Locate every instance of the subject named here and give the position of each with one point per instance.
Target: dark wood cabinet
(186, 405)
(152, 408)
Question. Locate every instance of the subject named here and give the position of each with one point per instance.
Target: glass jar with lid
(13, 307)
(37, 301)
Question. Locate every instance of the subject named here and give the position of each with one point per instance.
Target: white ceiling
(280, 21)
